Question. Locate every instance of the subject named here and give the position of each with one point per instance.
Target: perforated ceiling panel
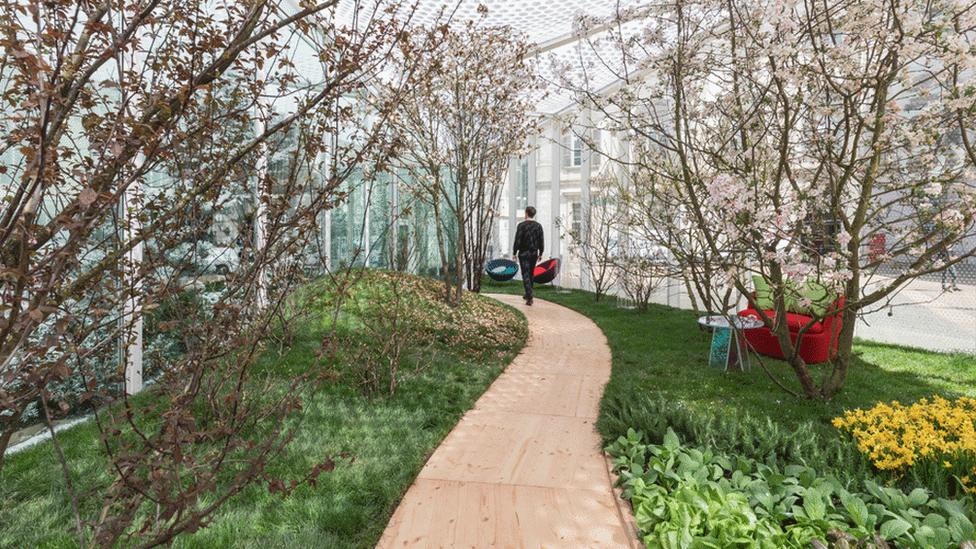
(549, 24)
(540, 20)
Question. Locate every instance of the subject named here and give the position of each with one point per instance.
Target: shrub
(640, 276)
(394, 322)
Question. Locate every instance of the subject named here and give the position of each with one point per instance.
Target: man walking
(528, 247)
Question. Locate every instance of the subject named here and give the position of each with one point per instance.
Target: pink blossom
(843, 238)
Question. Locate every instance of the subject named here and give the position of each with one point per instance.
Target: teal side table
(729, 349)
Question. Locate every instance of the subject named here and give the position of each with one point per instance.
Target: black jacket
(529, 238)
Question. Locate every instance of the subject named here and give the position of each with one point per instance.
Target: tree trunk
(845, 345)
(475, 267)
(838, 375)
(442, 248)
(474, 263)
(460, 256)
(799, 366)
(8, 431)
(691, 296)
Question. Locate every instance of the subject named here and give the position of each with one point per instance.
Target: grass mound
(447, 360)
(476, 324)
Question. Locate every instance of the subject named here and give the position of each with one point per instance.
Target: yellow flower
(895, 436)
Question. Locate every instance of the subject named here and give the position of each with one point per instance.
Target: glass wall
(381, 224)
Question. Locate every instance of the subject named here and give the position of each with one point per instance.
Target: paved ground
(923, 315)
(524, 467)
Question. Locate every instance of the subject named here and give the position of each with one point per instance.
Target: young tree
(640, 274)
(790, 133)
(597, 242)
(459, 130)
(657, 217)
(130, 129)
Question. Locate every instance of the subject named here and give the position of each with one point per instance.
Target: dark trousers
(527, 266)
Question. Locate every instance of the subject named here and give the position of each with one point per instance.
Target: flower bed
(934, 433)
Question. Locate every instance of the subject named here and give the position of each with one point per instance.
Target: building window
(572, 151)
(577, 218)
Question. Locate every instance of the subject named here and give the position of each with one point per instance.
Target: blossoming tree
(789, 135)
(129, 130)
(459, 131)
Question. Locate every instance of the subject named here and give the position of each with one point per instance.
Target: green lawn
(660, 378)
(389, 438)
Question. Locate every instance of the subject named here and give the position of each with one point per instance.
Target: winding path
(524, 468)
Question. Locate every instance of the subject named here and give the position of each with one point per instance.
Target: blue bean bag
(501, 270)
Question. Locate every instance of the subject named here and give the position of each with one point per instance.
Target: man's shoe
(528, 302)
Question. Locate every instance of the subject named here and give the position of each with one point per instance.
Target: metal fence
(927, 313)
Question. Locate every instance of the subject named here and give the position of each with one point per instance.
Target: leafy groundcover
(691, 497)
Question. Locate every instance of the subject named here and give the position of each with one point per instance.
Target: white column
(532, 175)
(260, 213)
(367, 241)
(393, 232)
(330, 166)
(327, 239)
(353, 247)
(317, 170)
(132, 315)
(413, 242)
(624, 143)
(512, 183)
(555, 195)
(496, 240)
(624, 173)
(585, 168)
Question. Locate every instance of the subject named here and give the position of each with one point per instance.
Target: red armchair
(819, 343)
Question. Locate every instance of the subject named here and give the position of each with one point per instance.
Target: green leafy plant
(751, 436)
(685, 496)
